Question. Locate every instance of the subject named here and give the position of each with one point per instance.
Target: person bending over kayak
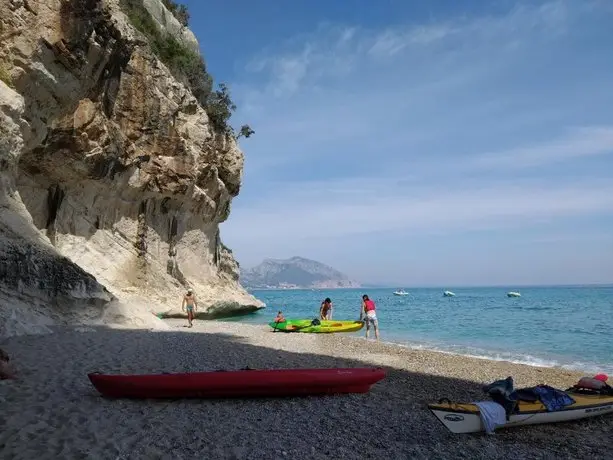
(369, 313)
(189, 304)
(325, 310)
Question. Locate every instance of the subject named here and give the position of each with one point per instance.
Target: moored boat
(513, 294)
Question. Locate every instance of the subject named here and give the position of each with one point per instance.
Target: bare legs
(375, 326)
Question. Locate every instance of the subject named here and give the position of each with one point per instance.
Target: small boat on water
(401, 292)
(513, 294)
(316, 326)
(243, 383)
(448, 294)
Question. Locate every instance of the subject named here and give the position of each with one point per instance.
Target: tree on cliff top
(245, 131)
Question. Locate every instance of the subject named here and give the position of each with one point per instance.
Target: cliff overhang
(113, 178)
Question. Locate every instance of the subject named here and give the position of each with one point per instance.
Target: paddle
(298, 328)
(275, 328)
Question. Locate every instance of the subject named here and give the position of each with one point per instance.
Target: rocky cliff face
(112, 181)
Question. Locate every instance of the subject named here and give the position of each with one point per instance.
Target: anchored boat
(513, 294)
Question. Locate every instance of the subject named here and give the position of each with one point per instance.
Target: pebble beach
(52, 411)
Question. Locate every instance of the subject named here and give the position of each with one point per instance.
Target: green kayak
(325, 326)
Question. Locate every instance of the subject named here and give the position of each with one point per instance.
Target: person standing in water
(325, 310)
(369, 313)
(189, 304)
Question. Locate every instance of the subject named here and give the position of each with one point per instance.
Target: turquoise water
(569, 327)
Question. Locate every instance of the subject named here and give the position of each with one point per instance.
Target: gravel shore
(52, 411)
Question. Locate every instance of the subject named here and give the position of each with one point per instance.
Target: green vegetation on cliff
(5, 76)
(178, 11)
(186, 65)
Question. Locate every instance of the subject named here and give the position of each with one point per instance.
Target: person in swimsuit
(280, 318)
(189, 304)
(368, 312)
(325, 310)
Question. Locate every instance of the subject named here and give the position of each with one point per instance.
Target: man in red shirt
(368, 311)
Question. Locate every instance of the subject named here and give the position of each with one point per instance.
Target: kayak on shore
(527, 406)
(466, 418)
(242, 383)
(316, 326)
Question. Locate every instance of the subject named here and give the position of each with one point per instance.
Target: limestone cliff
(113, 181)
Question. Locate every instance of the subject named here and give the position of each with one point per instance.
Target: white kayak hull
(460, 421)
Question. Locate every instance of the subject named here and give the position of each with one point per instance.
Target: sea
(569, 327)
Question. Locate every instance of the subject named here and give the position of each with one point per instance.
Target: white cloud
(331, 50)
(568, 238)
(391, 42)
(325, 95)
(580, 142)
(413, 129)
(362, 207)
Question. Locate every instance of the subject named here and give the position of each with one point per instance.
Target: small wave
(515, 358)
(530, 308)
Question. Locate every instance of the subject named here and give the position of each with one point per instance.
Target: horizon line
(395, 286)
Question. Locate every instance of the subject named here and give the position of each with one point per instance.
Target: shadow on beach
(52, 409)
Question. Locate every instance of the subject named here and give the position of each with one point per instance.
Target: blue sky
(423, 143)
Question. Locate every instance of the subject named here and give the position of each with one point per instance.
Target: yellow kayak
(325, 326)
(465, 417)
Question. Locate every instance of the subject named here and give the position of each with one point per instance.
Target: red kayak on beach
(243, 383)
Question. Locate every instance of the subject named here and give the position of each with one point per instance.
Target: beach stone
(56, 413)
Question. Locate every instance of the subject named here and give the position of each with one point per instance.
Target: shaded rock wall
(113, 182)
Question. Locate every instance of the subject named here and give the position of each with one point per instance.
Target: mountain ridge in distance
(294, 273)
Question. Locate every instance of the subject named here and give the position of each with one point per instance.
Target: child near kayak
(280, 318)
(368, 312)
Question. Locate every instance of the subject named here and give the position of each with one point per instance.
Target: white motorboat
(449, 294)
(513, 294)
(401, 292)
